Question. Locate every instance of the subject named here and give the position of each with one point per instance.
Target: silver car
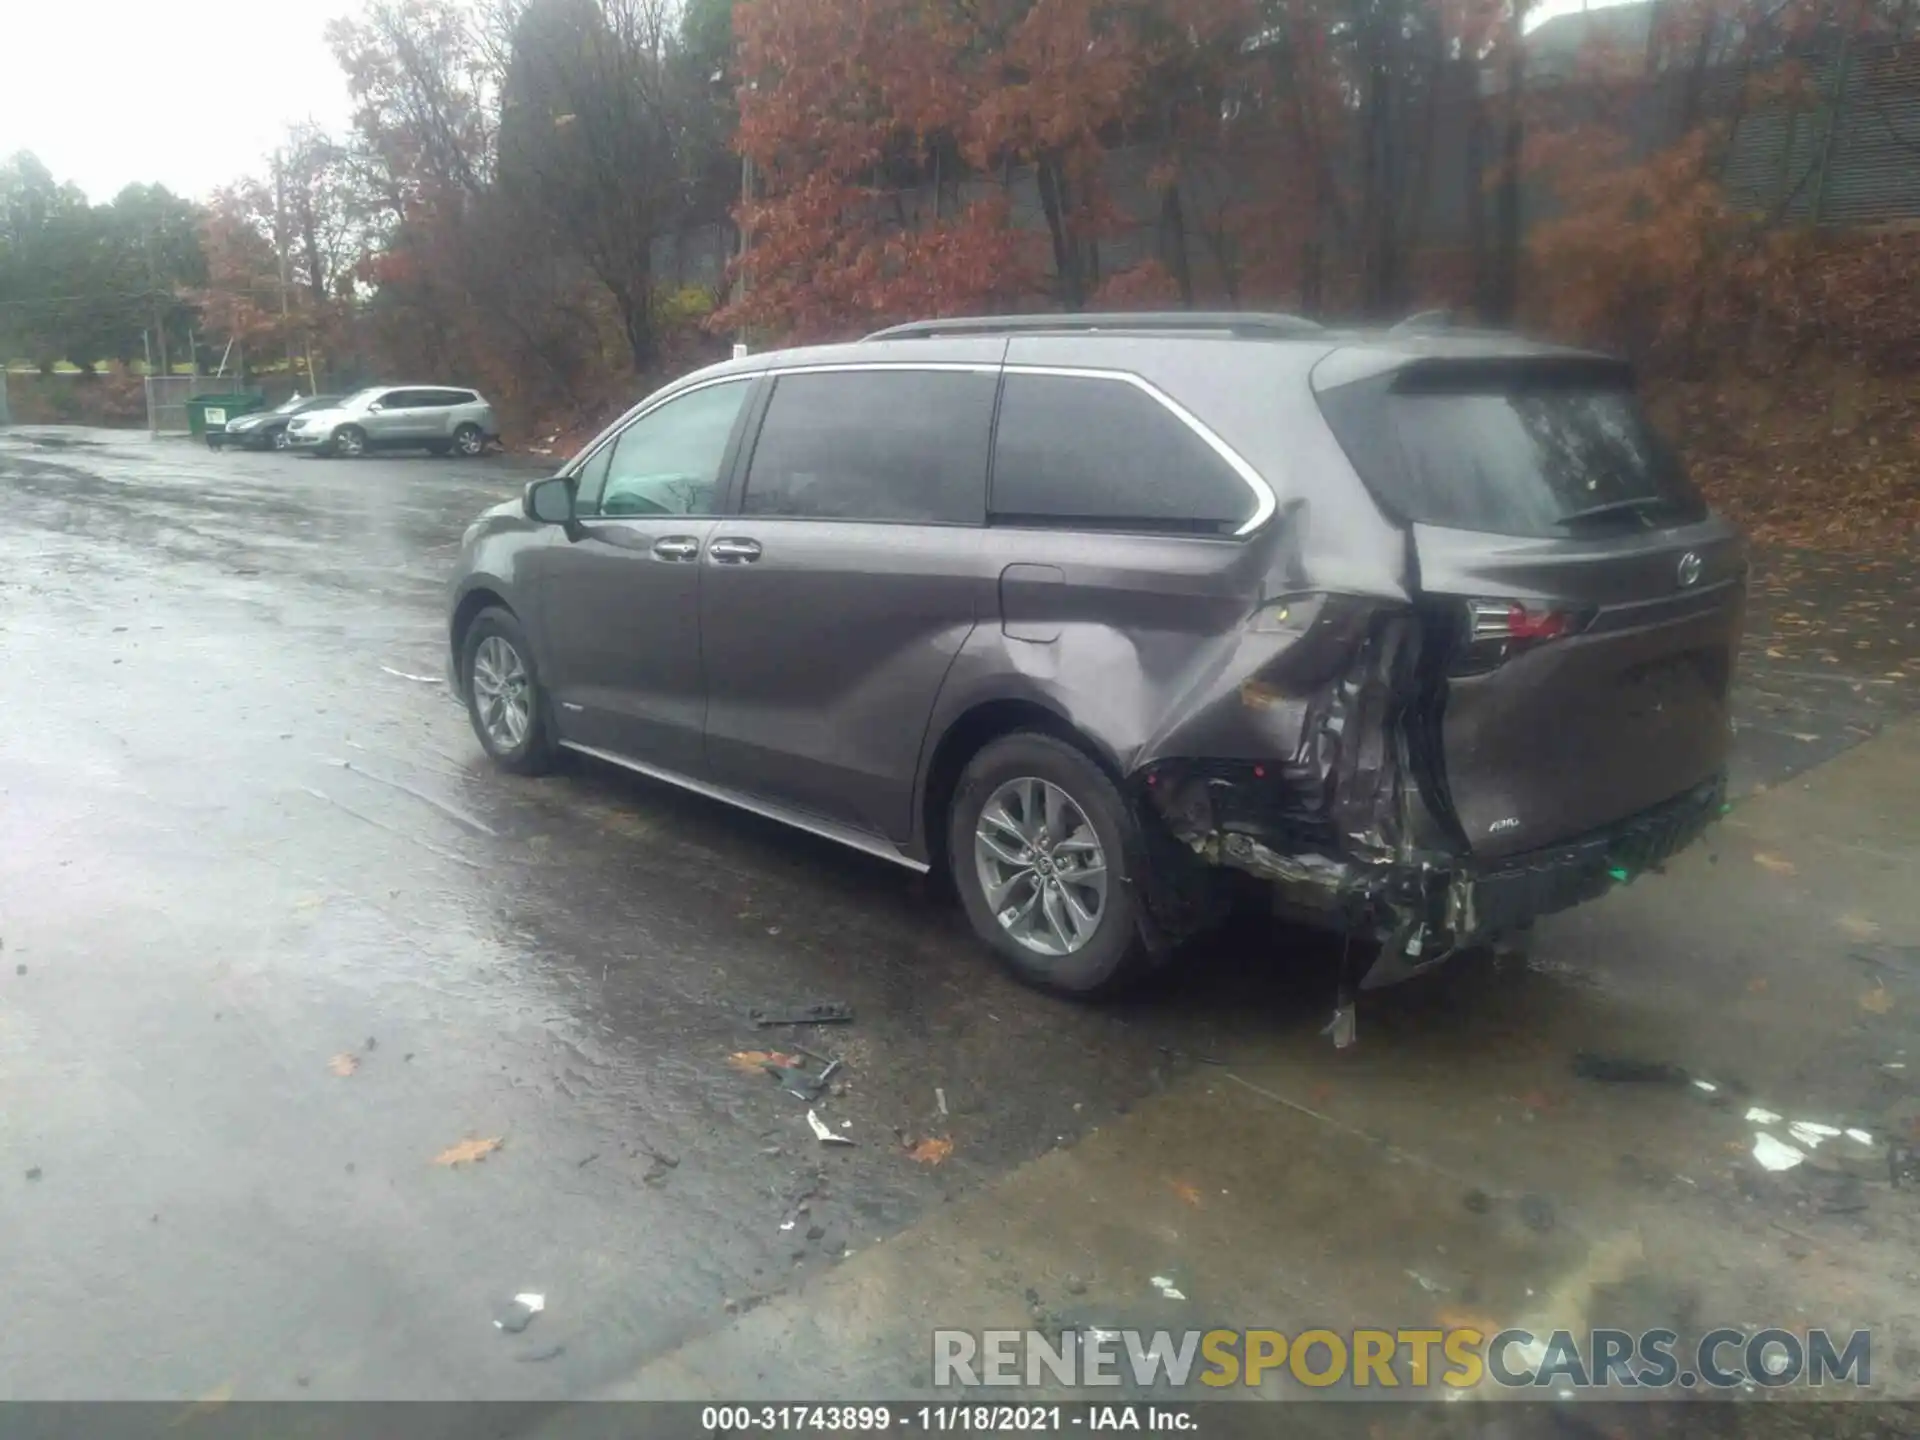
(438, 419)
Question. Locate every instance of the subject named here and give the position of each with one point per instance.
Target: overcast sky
(113, 92)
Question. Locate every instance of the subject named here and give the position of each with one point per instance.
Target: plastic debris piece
(1775, 1154)
(1432, 1287)
(826, 1012)
(1168, 1290)
(467, 1152)
(1620, 1071)
(1706, 1085)
(1758, 1116)
(404, 675)
(824, 1135)
(1343, 1027)
(940, 1099)
(1619, 874)
(1860, 1137)
(520, 1313)
(1810, 1132)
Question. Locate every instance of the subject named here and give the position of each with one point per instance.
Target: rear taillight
(1497, 630)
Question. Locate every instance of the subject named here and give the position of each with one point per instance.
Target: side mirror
(550, 501)
(375, 408)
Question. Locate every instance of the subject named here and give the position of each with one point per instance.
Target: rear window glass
(1534, 456)
(1104, 454)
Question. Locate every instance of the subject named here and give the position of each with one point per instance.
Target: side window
(875, 445)
(442, 399)
(668, 461)
(401, 400)
(1104, 454)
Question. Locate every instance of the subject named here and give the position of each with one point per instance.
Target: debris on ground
(1536, 1213)
(1168, 1290)
(752, 1062)
(1775, 1154)
(1877, 1001)
(802, 1202)
(823, 1134)
(520, 1313)
(825, 1012)
(1074, 1285)
(1187, 1191)
(405, 675)
(930, 1151)
(344, 1064)
(1621, 1071)
(1903, 1166)
(1776, 864)
(34, 1173)
(940, 1099)
(1344, 1025)
(541, 1356)
(468, 1152)
(1477, 1201)
(1432, 1287)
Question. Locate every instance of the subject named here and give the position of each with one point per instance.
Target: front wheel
(469, 440)
(350, 441)
(1041, 846)
(279, 441)
(505, 702)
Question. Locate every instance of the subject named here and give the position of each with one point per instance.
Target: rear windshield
(1539, 452)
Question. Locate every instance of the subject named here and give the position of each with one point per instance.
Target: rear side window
(1542, 453)
(1104, 454)
(874, 445)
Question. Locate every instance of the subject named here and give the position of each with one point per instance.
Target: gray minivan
(1423, 629)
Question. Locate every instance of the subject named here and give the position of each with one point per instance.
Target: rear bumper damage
(1350, 822)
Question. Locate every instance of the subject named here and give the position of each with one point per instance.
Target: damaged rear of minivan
(1540, 712)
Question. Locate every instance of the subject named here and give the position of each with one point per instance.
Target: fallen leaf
(1187, 1191)
(1858, 927)
(1877, 1001)
(932, 1150)
(344, 1064)
(751, 1062)
(1778, 864)
(1758, 985)
(467, 1152)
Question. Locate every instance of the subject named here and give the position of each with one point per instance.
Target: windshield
(1533, 455)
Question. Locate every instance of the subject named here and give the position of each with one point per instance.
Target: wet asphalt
(278, 949)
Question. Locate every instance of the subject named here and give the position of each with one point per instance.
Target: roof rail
(1246, 324)
(1422, 321)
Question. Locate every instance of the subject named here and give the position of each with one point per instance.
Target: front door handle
(676, 547)
(733, 550)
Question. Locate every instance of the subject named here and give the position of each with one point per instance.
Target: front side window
(1103, 454)
(901, 445)
(668, 461)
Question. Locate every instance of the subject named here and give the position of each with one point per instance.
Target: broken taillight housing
(1497, 630)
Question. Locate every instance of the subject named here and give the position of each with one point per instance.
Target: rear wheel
(469, 440)
(505, 702)
(1042, 847)
(350, 441)
(279, 441)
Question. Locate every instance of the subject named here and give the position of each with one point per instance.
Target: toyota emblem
(1690, 568)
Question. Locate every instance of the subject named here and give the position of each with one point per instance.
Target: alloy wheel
(1041, 866)
(502, 693)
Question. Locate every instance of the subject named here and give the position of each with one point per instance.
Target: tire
(213, 442)
(469, 440)
(533, 751)
(279, 440)
(1102, 958)
(350, 441)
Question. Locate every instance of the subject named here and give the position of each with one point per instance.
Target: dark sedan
(267, 429)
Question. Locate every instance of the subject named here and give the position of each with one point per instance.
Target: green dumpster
(207, 415)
